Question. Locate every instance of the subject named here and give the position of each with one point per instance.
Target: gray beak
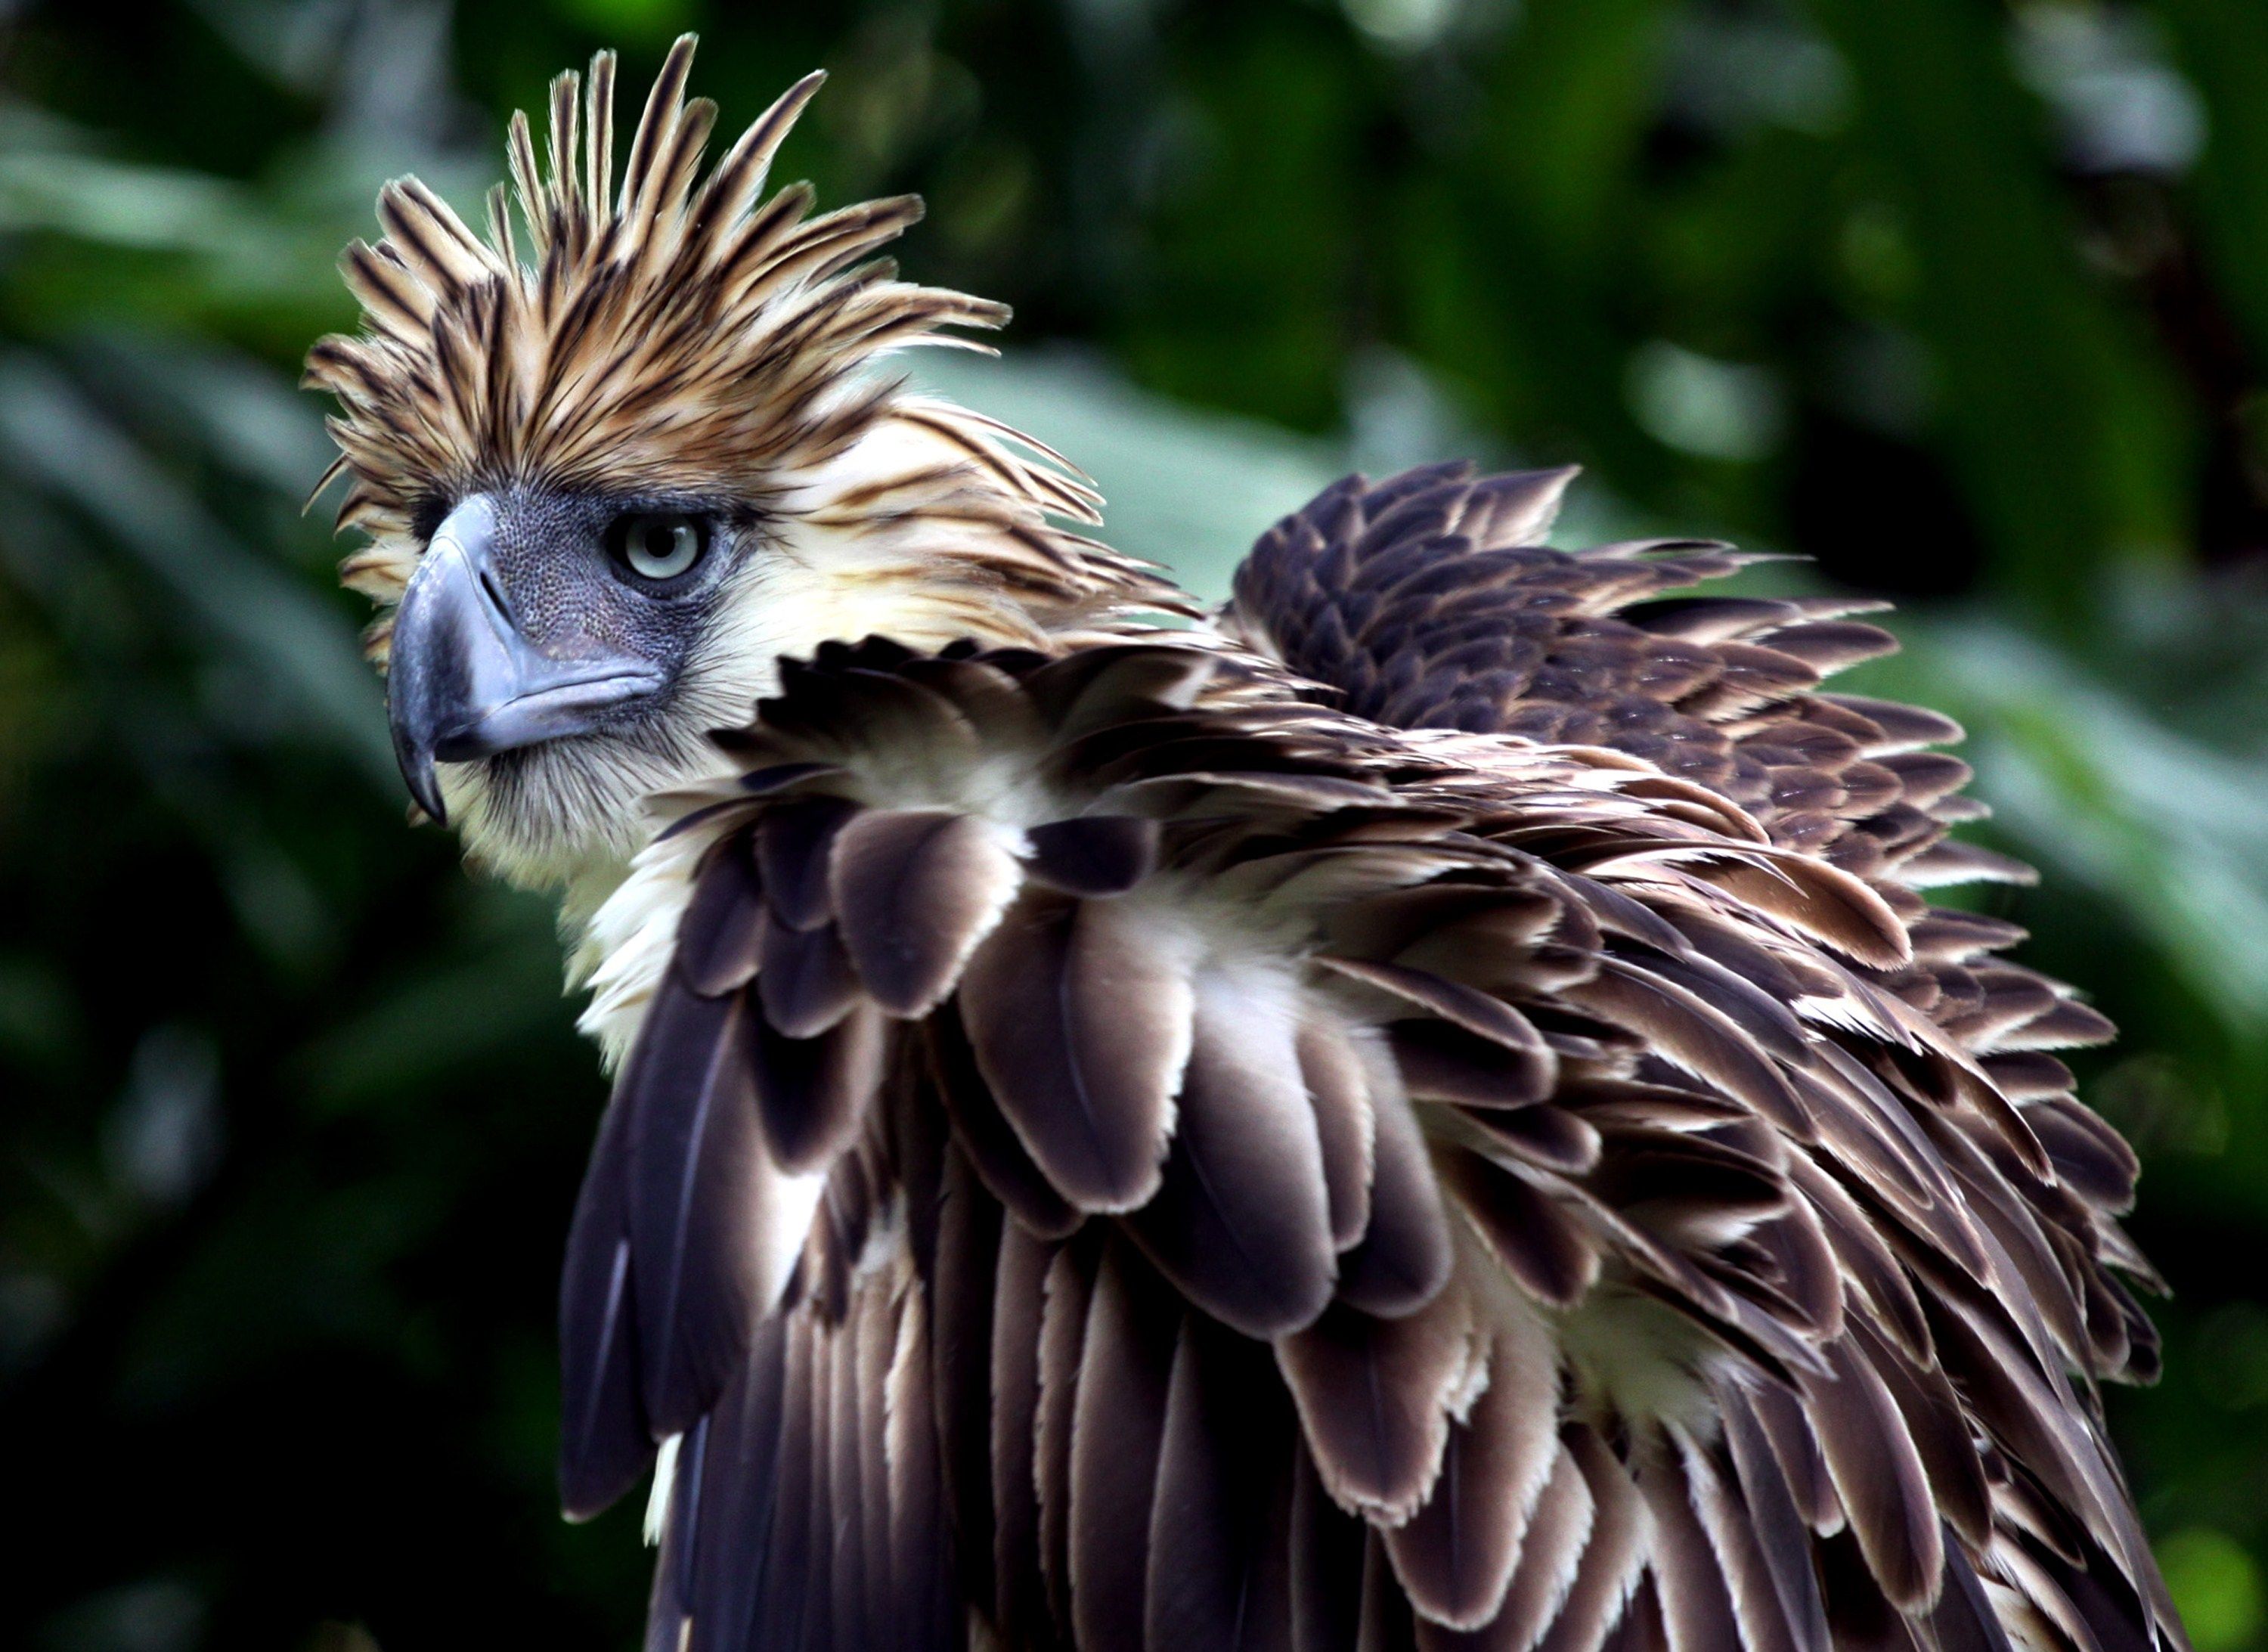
(463, 682)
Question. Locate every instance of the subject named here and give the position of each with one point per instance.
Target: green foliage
(1970, 304)
(2219, 1587)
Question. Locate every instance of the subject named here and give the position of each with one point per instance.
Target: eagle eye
(657, 547)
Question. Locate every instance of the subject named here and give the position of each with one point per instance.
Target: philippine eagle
(1424, 1109)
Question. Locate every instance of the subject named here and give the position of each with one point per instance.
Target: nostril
(490, 589)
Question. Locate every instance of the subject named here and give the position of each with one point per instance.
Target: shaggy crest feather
(682, 335)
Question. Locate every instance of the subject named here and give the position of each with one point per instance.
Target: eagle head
(611, 477)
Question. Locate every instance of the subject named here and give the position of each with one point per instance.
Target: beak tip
(425, 791)
(413, 756)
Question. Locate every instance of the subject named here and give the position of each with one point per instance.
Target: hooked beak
(462, 683)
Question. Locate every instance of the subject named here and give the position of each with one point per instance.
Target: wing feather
(1063, 1337)
(1376, 1396)
(1081, 1027)
(1240, 1221)
(1455, 1555)
(1690, 1582)
(605, 1441)
(1328, 1190)
(1020, 1605)
(1117, 1430)
(1219, 1572)
(1327, 1566)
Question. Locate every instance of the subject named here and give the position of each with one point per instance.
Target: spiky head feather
(682, 334)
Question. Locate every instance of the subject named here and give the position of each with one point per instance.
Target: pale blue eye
(658, 545)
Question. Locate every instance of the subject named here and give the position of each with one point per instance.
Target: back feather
(1415, 1191)
(1430, 600)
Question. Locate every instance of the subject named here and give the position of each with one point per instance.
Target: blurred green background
(1968, 302)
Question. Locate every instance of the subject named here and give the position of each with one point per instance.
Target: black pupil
(661, 541)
